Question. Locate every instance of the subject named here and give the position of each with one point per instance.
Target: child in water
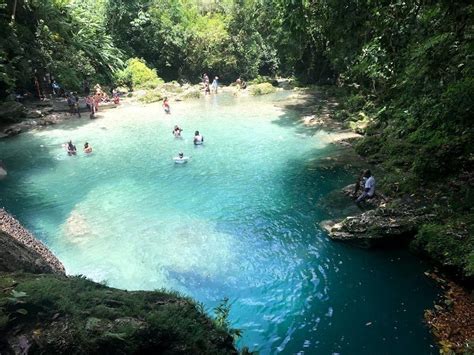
(87, 148)
(166, 105)
(177, 131)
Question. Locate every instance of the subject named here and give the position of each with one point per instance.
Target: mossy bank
(44, 311)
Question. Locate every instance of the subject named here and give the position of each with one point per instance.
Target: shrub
(262, 89)
(261, 79)
(451, 244)
(137, 75)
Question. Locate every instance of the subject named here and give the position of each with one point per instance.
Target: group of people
(197, 140)
(72, 150)
(213, 86)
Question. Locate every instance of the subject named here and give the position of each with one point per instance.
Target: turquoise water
(240, 220)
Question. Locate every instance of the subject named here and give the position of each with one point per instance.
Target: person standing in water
(71, 148)
(166, 105)
(215, 84)
(198, 138)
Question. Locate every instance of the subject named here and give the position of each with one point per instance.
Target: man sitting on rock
(369, 187)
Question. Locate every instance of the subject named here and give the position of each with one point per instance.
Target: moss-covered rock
(52, 314)
(151, 96)
(378, 225)
(12, 111)
(193, 92)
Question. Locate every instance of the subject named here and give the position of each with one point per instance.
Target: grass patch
(81, 316)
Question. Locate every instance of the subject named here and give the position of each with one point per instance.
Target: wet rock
(34, 114)
(12, 131)
(378, 224)
(12, 111)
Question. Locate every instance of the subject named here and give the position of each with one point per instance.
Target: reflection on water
(240, 220)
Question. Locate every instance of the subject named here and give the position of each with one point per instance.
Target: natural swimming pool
(240, 220)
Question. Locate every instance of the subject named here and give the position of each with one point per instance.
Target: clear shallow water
(240, 220)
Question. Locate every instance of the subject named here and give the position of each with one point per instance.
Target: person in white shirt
(369, 187)
(198, 138)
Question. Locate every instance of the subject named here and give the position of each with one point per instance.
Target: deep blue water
(239, 220)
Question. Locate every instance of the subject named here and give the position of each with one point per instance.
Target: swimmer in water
(177, 131)
(71, 148)
(198, 138)
(180, 159)
(87, 148)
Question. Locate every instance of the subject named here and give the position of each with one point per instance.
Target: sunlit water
(240, 220)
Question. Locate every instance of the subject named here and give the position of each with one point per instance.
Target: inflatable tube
(179, 160)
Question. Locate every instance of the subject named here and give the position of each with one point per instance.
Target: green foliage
(221, 319)
(67, 40)
(78, 315)
(137, 75)
(450, 244)
(261, 89)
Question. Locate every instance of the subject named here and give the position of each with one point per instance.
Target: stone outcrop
(20, 250)
(12, 111)
(376, 225)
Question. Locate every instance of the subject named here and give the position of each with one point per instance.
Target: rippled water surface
(240, 220)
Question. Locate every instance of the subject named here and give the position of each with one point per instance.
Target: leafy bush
(368, 146)
(261, 89)
(261, 79)
(451, 244)
(78, 315)
(355, 102)
(360, 124)
(137, 75)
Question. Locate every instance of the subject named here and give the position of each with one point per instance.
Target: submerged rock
(3, 172)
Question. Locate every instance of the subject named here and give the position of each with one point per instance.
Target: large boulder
(381, 224)
(12, 111)
(20, 250)
(192, 92)
(16, 256)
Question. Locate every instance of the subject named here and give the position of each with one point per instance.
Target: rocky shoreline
(27, 247)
